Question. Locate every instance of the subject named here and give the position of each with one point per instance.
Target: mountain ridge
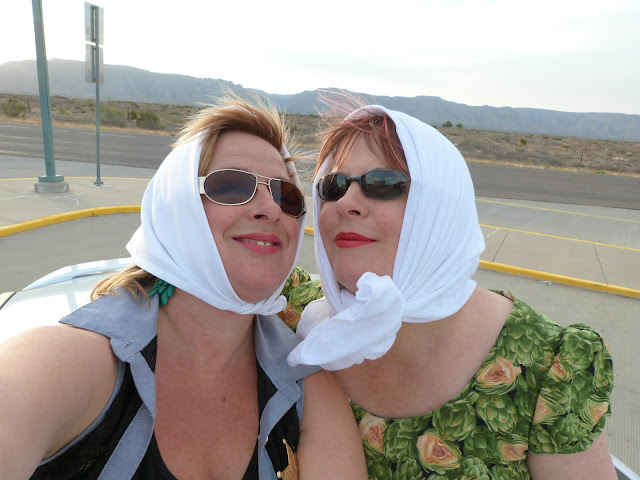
(66, 78)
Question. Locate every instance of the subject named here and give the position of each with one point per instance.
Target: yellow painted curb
(64, 217)
(555, 278)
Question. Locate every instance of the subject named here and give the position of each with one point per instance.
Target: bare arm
(594, 463)
(54, 381)
(330, 445)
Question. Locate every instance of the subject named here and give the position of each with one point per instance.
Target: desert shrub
(113, 116)
(148, 120)
(523, 142)
(459, 125)
(447, 124)
(14, 108)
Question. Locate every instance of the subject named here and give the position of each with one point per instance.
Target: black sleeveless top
(85, 459)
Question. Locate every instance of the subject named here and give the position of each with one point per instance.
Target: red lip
(250, 241)
(351, 240)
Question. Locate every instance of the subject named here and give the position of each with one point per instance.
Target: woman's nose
(263, 205)
(353, 202)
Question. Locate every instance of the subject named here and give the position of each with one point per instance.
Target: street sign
(90, 64)
(90, 12)
(94, 36)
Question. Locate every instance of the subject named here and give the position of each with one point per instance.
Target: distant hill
(66, 78)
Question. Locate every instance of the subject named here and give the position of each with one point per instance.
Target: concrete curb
(64, 217)
(497, 267)
(562, 279)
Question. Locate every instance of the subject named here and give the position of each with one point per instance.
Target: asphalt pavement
(575, 263)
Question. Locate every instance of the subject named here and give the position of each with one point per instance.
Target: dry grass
(521, 149)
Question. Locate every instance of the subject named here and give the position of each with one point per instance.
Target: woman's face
(256, 241)
(361, 234)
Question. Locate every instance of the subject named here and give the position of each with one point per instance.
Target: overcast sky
(569, 55)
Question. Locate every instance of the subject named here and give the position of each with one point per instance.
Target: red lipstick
(351, 240)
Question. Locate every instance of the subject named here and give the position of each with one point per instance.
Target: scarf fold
(438, 252)
(174, 241)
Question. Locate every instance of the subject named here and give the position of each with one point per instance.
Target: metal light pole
(45, 109)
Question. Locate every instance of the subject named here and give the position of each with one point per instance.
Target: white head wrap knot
(174, 241)
(438, 252)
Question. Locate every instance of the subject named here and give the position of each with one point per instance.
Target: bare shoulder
(57, 351)
(54, 381)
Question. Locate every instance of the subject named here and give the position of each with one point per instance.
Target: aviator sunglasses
(380, 184)
(237, 187)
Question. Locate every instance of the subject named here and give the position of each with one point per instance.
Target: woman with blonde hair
(177, 368)
(447, 380)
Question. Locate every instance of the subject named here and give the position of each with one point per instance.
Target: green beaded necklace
(163, 289)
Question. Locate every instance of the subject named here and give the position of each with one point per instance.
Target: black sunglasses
(380, 184)
(237, 187)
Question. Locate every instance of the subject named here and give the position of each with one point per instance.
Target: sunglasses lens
(384, 184)
(379, 184)
(230, 187)
(288, 196)
(332, 187)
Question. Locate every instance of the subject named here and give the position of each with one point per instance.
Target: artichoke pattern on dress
(542, 389)
(300, 291)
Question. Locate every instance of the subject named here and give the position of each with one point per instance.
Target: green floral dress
(542, 388)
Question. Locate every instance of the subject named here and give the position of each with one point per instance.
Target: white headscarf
(439, 250)
(174, 241)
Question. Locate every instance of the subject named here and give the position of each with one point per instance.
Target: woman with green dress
(447, 380)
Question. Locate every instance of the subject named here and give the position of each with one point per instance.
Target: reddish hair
(379, 132)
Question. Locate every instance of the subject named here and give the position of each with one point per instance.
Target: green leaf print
(581, 386)
(483, 444)
(498, 412)
(378, 467)
(525, 401)
(455, 421)
(512, 448)
(553, 400)
(579, 347)
(602, 371)
(594, 409)
(525, 338)
(567, 430)
(408, 469)
(540, 440)
(499, 472)
(401, 436)
(358, 411)
(472, 468)
(306, 293)
(297, 276)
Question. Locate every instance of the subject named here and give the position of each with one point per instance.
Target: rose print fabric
(542, 388)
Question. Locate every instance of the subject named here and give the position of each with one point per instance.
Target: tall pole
(96, 19)
(43, 88)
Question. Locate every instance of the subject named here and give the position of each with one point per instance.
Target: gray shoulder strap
(131, 326)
